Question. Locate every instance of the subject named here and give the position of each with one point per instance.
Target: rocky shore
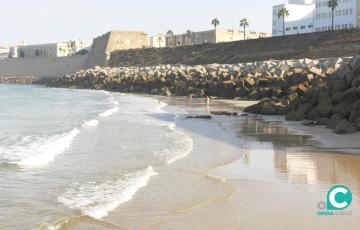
(249, 81)
(322, 92)
(335, 104)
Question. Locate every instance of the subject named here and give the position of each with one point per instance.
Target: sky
(46, 21)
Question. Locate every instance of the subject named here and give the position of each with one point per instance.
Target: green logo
(339, 197)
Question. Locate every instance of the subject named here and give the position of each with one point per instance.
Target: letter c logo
(339, 198)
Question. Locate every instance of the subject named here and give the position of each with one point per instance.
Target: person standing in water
(207, 97)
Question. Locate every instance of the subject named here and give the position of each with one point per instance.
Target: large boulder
(344, 127)
(267, 107)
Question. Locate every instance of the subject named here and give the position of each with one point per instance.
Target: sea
(67, 152)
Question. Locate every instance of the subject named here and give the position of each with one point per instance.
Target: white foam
(171, 126)
(162, 105)
(182, 145)
(91, 123)
(109, 112)
(112, 100)
(98, 199)
(34, 151)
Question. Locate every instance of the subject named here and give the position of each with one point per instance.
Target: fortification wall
(315, 45)
(57, 67)
(97, 54)
(42, 67)
(114, 40)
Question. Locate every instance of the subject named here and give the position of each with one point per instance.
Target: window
(288, 28)
(295, 28)
(303, 27)
(310, 26)
(22, 53)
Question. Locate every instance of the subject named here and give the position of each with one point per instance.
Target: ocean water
(67, 153)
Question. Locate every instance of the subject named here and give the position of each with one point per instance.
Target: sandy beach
(245, 172)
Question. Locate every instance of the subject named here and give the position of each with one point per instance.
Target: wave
(112, 100)
(36, 151)
(91, 123)
(161, 105)
(98, 199)
(109, 112)
(182, 145)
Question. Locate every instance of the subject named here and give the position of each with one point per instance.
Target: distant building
(103, 45)
(157, 41)
(300, 19)
(4, 53)
(307, 16)
(212, 36)
(347, 15)
(51, 50)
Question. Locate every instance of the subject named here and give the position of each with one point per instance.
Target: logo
(338, 199)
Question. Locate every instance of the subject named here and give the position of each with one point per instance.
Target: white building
(51, 50)
(158, 41)
(300, 19)
(345, 15)
(219, 35)
(4, 53)
(306, 16)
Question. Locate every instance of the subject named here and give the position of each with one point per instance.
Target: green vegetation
(215, 22)
(283, 13)
(332, 4)
(244, 23)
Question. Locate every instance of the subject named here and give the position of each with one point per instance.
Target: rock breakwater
(250, 81)
(335, 104)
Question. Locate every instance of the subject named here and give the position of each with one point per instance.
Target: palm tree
(170, 37)
(189, 35)
(283, 12)
(215, 22)
(332, 4)
(244, 23)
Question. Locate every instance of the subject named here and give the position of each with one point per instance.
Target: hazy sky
(43, 21)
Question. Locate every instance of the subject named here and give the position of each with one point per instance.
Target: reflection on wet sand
(294, 158)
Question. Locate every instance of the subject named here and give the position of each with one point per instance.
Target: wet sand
(244, 173)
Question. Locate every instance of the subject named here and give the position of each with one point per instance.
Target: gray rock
(344, 127)
(335, 120)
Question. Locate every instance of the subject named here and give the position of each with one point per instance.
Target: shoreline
(326, 137)
(238, 162)
(234, 174)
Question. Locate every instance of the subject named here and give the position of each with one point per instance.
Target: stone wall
(19, 80)
(50, 67)
(41, 67)
(97, 54)
(315, 45)
(114, 40)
